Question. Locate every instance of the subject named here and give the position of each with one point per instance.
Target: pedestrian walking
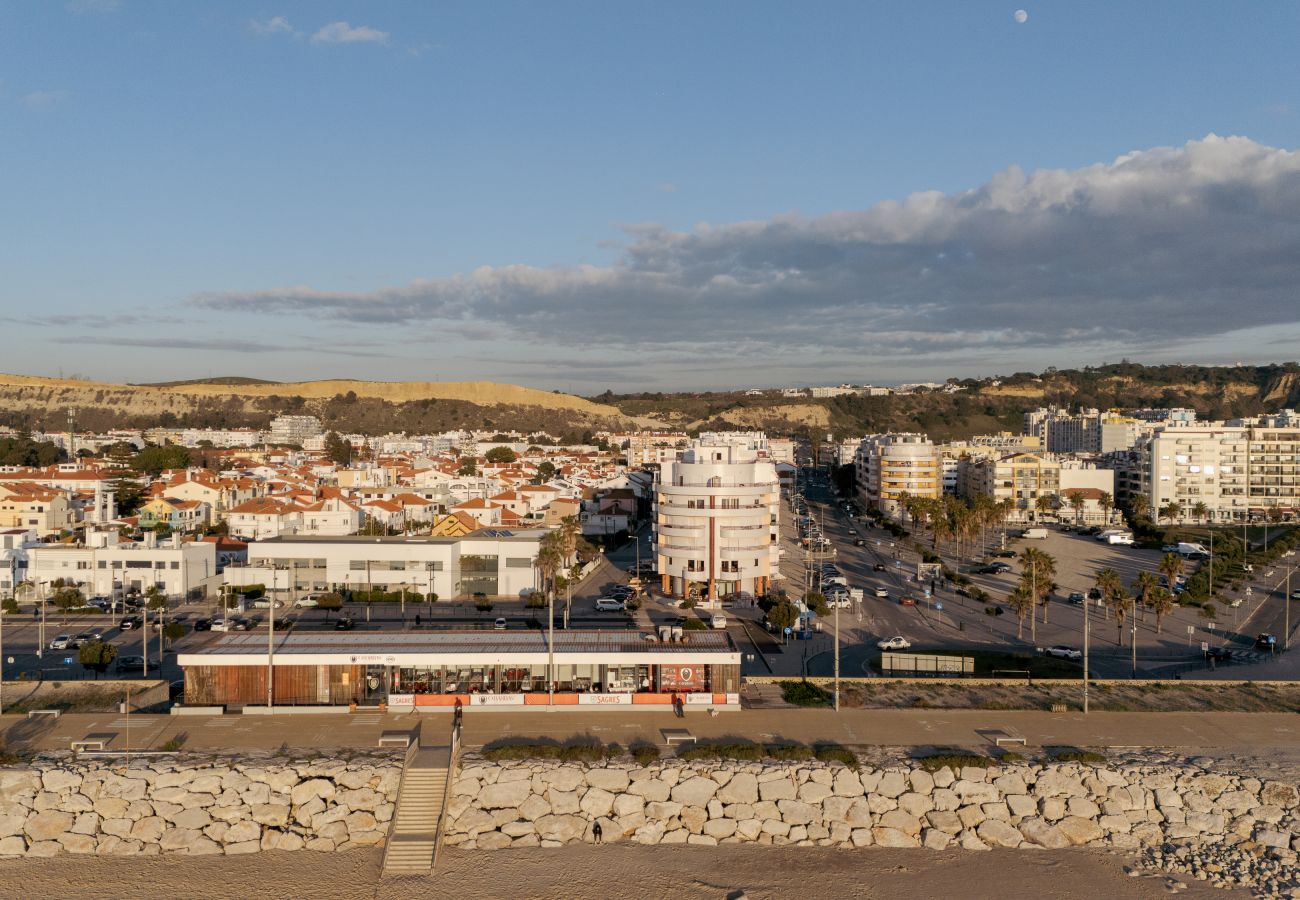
(417, 620)
(596, 832)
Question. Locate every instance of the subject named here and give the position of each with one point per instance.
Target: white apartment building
(1235, 471)
(1087, 431)
(716, 518)
(293, 429)
(106, 566)
(13, 558)
(495, 562)
(222, 437)
(890, 467)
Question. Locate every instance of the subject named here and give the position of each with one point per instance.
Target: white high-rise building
(293, 429)
(717, 518)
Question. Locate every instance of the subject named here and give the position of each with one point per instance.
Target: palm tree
(1107, 504)
(1108, 582)
(1076, 501)
(1021, 602)
(1122, 603)
(1162, 603)
(1200, 511)
(1039, 568)
(1138, 505)
(1146, 583)
(1171, 566)
(903, 499)
(1044, 504)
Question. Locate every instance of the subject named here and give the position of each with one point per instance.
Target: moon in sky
(1021, 16)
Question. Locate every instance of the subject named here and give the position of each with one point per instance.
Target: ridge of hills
(376, 407)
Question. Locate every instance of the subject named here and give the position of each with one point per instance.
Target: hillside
(984, 405)
(365, 406)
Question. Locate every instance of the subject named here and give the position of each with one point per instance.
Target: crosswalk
(134, 722)
(366, 719)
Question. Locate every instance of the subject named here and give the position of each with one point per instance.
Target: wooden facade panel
(294, 685)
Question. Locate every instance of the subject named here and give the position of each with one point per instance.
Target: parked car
(202, 624)
(129, 622)
(239, 623)
(1060, 651)
(308, 602)
(610, 604)
(1077, 598)
(344, 623)
(266, 602)
(1003, 554)
(499, 625)
(61, 642)
(718, 621)
(880, 567)
(898, 642)
(219, 625)
(134, 663)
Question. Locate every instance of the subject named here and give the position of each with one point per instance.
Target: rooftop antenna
(72, 433)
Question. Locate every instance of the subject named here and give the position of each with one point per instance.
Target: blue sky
(643, 196)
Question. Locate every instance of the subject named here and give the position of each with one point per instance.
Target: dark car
(344, 623)
(239, 623)
(993, 569)
(879, 567)
(1219, 654)
(202, 624)
(1266, 642)
(859, 542)
(1003, 554)
(1077, 598)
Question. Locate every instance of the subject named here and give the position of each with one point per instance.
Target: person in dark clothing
(417, 620)
(596, 832)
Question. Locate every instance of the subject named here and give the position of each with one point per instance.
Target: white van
(1189, 549)
(1120, 537)
(1035, 534)
(609, 604)
(718, 621)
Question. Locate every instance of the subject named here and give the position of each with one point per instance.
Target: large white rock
(892, 784)
(847, 784)
(885, 836)
(597, 802)
(901, 821)
(274, 814)
(504, 794)
(56, 780)
(997, 833)
(311, 789)
(1080, 831)
(47, 825)
(562, 802)
(796, 812)
(1043, 834)
(650, 789)
(696, 791)
(778, 789)
(742, 788)
(561, 828)
(613, 780)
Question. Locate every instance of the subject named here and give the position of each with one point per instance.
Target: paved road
(1253, 732)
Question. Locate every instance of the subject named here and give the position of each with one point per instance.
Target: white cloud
(43, 99)
(1158, 247)
(343, 33)
(272, 26)
(83, 7)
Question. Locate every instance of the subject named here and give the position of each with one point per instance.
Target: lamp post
(1087, 616)
(1133, 644)
(550, 650)
(270, 638)
(837, 656)
(1286, 606)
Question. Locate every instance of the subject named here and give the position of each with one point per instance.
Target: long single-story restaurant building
(437, 670)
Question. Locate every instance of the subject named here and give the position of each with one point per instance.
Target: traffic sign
(1249, 592)
(789, 630)
(939, 607)
(1191, 629)
(1205, 647)
(1212, 625)
(67, 660)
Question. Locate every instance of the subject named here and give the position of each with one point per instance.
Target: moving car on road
(906, 601)
(879, 567)
(1077, 598)
(129, 622)
(1003, 554)
(499, 625)
(997, 568)
(1060, 651)
(344, 623)
(202, 624)
(882, 593)
(61, 642)
(308, 602)
(898, 642)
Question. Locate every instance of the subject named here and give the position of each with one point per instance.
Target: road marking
(220, 723)
(367, 720)
(128, 722)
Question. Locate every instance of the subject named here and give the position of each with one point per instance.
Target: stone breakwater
(203, 808)
(1055, 805)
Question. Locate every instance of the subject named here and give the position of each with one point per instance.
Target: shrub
(172, 745)
(788, 752)
(694, 625)
(746, 750)
(803, 693)
(577, 749)
(954, 759)
(645, 754)
(1074, 754)
(834, 753)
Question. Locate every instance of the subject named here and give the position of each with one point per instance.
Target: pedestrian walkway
(417, 821)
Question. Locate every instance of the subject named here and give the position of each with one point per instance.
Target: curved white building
(716, 514)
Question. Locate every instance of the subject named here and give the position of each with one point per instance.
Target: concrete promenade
(1181, 731)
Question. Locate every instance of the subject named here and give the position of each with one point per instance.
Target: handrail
(456, 719)
(411, 749)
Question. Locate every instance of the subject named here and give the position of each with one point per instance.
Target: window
(357, 565)
(138, 564)
(175, 565)
(518, 562)
(103, 564)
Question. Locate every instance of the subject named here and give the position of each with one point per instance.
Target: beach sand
(611, 871)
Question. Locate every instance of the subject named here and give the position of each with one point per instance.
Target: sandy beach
(597, 873)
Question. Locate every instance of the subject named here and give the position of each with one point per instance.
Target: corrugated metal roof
(493, 642)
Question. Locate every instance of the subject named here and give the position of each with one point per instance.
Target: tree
(467, 467)
(1038, 570)
(817, 603)
(783, 615)
(174, 631)
(1045, 503)
(331, 602)
(1200, 511)
(501, 455)
(97, 656)
(1170, 566)
(1139, 506)
(1144, 586)
(1077, 502)
(1162, 603)
(337, 449)
(545, 470)
(66, 598)
(1107, 504)
(1021, 602)
(535, 600)
(155, 598)
(155, 460)
(1108, 582)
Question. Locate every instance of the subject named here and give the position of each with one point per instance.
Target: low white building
(106, 566)
(495, 562)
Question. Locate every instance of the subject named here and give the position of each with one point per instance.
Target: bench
(1006, 736)
(44, 712)
(678, 736)
(395, 739)
(93, 742)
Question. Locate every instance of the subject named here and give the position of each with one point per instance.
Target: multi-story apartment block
(716, 518)
(1202, 464)
(891, 467)
(293, 429)
(1087, 431)
(13, 557)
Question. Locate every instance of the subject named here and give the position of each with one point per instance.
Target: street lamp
(270, 637)
(1087, 617)
(1133, 643)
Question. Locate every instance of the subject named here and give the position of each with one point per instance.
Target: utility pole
(144, 640)
(1133, 643)
(270, 641)
(1286, 601)
(550, 650)
(1087, 615)
(837, 656)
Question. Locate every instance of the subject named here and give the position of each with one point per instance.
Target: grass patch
(954, 759)
(834, 753)
(1074, 754)
(804, 693)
